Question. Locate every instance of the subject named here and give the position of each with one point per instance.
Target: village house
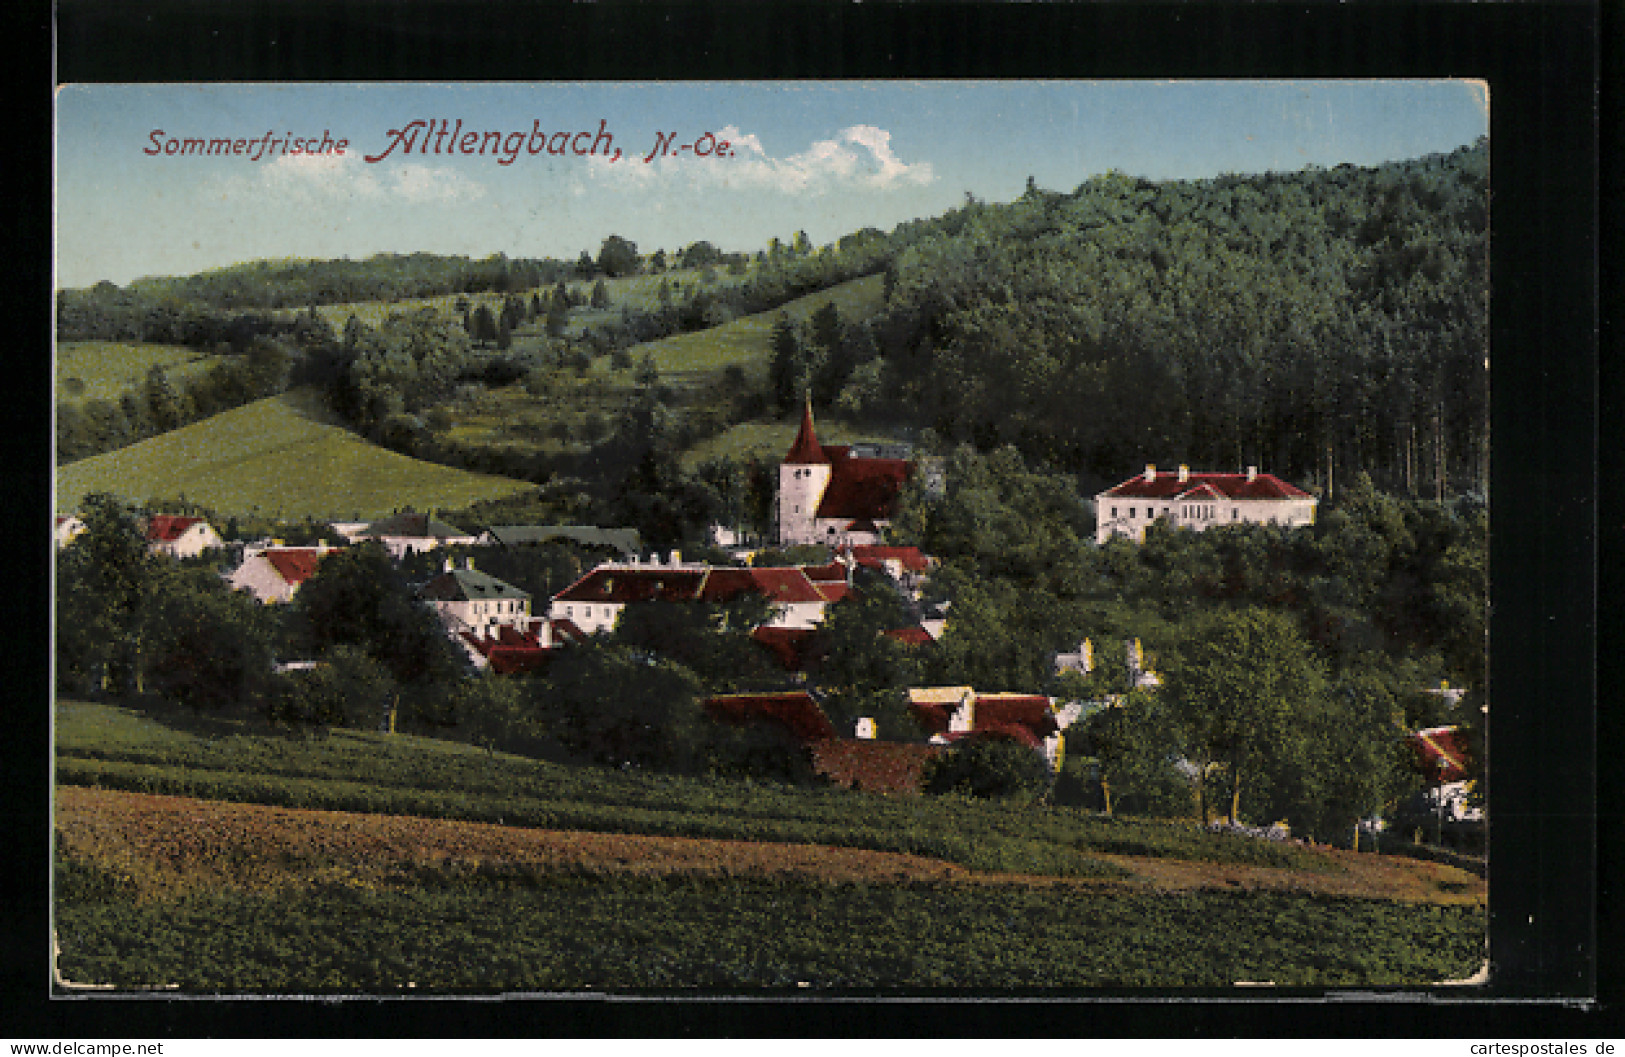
(68, 527)
(836, 495)
(1199, 501)
(954, 713)
(410, 533)
(624, 540)
(275, 574)
(469, 600)
(594, 602)
(180, 537)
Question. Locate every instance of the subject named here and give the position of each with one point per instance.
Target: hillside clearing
(106, 370)
(278, 457)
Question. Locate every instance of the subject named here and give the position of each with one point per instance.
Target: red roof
(806, 451)
(789, 646)
(1167, 485)
(1030, 712)
(167, 528)
(1443, 753)
(993, 714)
(294, 565)
(833, 592)
(776, 584)
(621, 585)
(795, 710)
(821, 574)
(873, 555)
(915, 636)
(862, 488)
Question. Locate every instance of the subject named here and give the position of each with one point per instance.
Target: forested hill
(1313, 323)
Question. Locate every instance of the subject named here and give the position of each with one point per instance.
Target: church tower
(803, 476)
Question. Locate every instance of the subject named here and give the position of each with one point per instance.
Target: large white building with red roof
(1199, 501)
(594, 602)
(831, 494)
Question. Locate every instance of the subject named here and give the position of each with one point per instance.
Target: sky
(827, 158)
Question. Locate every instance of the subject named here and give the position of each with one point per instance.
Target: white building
(834, 494)
(594, 602)
(469, 600)
(181, 537)
(1199, 501)
(275, 574)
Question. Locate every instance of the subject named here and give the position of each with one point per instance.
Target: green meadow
(106, 370)
(279, 457)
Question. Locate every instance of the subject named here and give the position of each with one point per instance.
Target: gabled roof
(468, 585)
(1030, 712)
(829, 572)
(294, 564)
(167, 528)
(791, 647)
(793, 709)
(914, 636)
(874, 555)
(1165, 484)
(806, 451)
(776, 584)
(862, 489)
(625, 540)
(618, 585)
(1442, 752)
(413, 526)
(998, 713)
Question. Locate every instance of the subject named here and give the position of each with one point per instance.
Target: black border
(1541, 61)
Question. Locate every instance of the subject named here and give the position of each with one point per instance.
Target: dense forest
(1317, 323)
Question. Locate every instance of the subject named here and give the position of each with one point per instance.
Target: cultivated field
(364, 862)
(277, 457)
(106, 370)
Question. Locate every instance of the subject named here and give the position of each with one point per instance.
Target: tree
(205, 646)
(358, 598)
(1242, 688)
(347, 688)
(104, 579)
(600, 295)
(618, 257)
(558, 312)
(989, 768)
(616, 705)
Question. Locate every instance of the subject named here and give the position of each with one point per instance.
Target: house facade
(469, 600)
(834, 494)
(1199, 501)
(954, 713)
(594, 602)
(181, 537)
(275, 574)
(411, 533)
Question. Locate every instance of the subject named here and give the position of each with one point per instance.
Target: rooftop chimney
(1150, 472)
(1184, 473)
(449, 565)
(1252, 474)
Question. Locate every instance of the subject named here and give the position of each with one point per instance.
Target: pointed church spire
(806, 450)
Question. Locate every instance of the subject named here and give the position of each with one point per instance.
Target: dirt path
(166, 844)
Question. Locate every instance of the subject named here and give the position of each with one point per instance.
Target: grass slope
(106, 370)
(277, 457)
(770, 440)
(154, 890)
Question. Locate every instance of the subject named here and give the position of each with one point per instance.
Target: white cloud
(858, 158)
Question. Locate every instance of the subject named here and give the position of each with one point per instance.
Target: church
(838, 495)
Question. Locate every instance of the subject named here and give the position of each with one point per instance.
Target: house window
(1114, 511)
(586, 613)
(1131, 513)
(1235, 513)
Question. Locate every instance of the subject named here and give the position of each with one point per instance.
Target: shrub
(990, 768)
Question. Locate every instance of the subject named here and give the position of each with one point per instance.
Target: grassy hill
(211, 854)
(106, 370)
(770, 440)
(560, 418)
(278, 457)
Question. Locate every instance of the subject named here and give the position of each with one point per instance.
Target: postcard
(810, 539)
